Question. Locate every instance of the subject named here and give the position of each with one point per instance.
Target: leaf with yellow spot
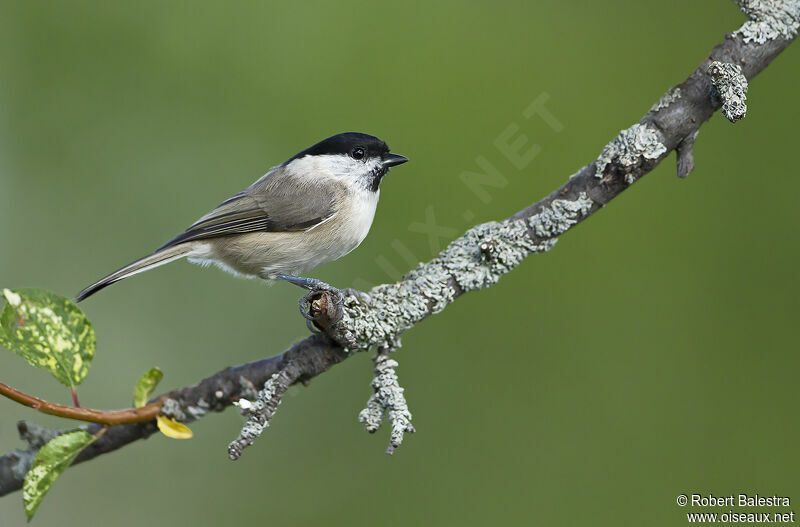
(145, 386)
(172, 428)
(50, 462)
(49, 332)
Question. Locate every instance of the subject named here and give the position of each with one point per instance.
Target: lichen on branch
(387, 400)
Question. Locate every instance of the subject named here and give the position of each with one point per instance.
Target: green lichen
(388, 401)
(626, 150)
(769, 20)
(672, 95)
(428, 289)
(560, 216)
(730, 87)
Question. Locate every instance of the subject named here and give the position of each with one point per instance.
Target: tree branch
(480, 257)
(314, 355)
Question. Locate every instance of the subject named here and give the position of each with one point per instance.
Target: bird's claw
(312, 313)
(316, 289)
(339, 295)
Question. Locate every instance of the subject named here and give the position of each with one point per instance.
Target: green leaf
(48, 331)
(145, 386)
(51, 460)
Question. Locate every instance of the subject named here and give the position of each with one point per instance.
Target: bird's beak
(393, 159)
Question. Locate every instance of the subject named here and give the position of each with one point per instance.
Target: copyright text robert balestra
(734, 500)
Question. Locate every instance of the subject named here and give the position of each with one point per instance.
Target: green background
(653, 352)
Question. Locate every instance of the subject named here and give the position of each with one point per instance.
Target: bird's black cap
(344, 144)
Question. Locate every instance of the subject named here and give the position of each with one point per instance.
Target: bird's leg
(312, 284)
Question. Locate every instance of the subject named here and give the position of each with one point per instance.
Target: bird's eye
(357, 153)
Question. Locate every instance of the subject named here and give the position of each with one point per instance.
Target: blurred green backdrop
(653, 352)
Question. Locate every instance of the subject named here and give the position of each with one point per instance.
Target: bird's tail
(141, 265)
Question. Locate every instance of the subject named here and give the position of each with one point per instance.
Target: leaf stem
(104, 417)
(75, 402)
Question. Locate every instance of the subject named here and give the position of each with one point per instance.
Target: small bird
(313, 208)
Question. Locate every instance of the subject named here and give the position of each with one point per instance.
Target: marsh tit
(313, 208)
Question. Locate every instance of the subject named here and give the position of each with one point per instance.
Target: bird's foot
(311, 306)
(314, 285)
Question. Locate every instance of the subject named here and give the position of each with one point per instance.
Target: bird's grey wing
(275, 203)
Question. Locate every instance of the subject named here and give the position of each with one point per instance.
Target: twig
(387, 400)
(685, 155)
(100, 432)
(105, 417)
(260, 413)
